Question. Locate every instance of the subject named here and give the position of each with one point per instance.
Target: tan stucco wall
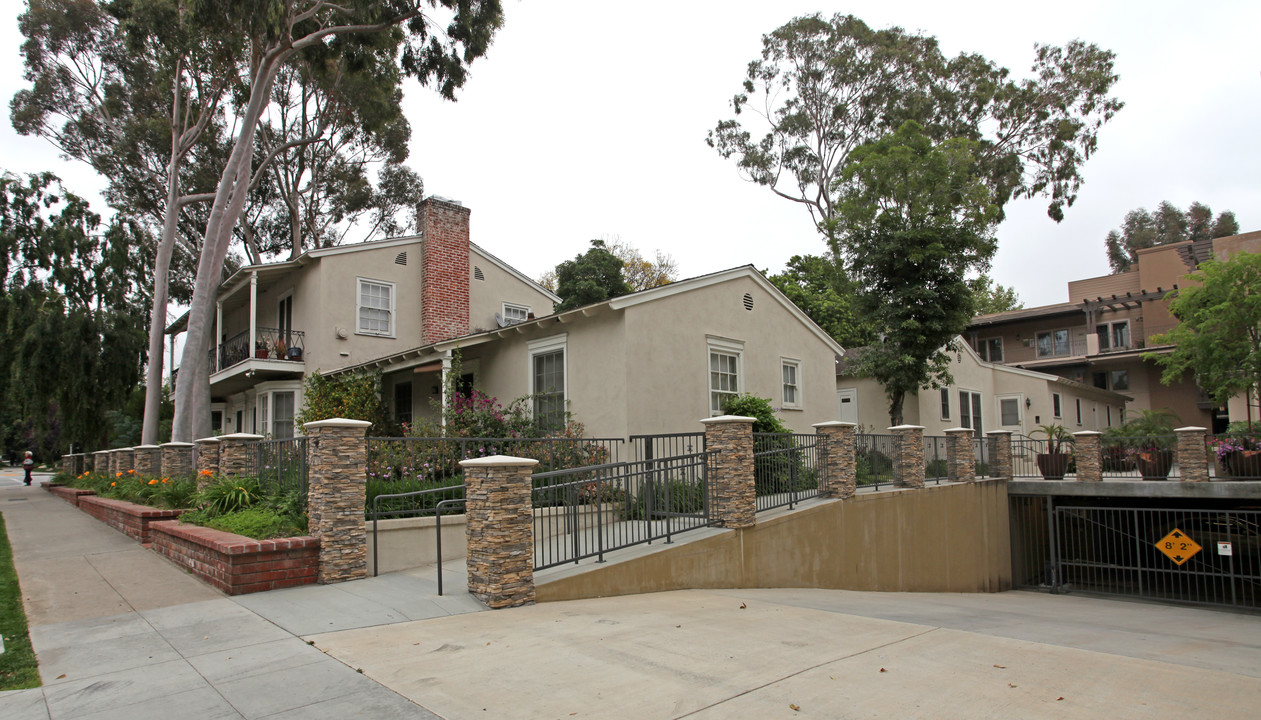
(486, 297)
(949, 538)
(1103, 286)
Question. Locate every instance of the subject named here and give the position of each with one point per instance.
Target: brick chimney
(444, 270)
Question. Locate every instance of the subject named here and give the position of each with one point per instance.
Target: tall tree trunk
(896, 398)
(157, 317)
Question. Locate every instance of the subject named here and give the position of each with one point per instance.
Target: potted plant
(281, 347)
(1117, 456)
(1238, 453)
(295, 352)
(1151, 434)
(1053, 464)
(260, 349)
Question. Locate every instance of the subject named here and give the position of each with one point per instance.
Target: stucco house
(1099, 336)
(655, 361)
(984, 396)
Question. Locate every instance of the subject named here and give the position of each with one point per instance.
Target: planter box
(128, 518)
(238, 565)
(69, 494)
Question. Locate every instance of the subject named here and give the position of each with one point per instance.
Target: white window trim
(1040, 333)
(714, 343)
(359, 281)
(525, 309)
(269, 389)
(1020, 410)
(971, 416)
(799, 404)
(543, 346)
(947, 391)
(1002, 349)
(1054, 413)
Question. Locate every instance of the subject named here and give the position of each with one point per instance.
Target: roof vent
(401, 258)
(478, 274)
(748, 302)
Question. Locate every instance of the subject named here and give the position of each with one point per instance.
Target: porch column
(1000, 453)
(177, 459)
(1088, 454)
(253, 314)
(148, 460)
(337, 491)
(733, 496)
(960, 455)
(500, 529)
(214, 343)
(207, 458)
(839, 465)
(237, 454)
(908, 459)
(1192, 455)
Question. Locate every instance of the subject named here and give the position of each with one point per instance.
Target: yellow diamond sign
(1177, 546)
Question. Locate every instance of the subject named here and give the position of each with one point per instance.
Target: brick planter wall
(69, 494)
(238, 565)
(131, 519)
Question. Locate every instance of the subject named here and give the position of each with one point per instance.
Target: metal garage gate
(1189, 555)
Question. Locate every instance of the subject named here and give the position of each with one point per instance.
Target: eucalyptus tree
(825, 87)
(433, 40)
(134, 91)
(1167, 224)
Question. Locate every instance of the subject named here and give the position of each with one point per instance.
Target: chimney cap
(440, 198)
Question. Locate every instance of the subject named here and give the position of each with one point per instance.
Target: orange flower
(166, 480)
(131, 472)
(207, 473)
(118, 474)
(154, 481)
(113, 484)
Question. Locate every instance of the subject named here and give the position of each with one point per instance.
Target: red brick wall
(238, 565)
(444, 271)
(128, 518)
(69, 494)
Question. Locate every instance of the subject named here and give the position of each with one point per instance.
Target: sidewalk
(122, 633)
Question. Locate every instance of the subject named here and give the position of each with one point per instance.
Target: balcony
(269, 344)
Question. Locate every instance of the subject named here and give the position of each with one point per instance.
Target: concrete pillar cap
(1086, 433)
(998, 432)
(907, 427)
(145, 447)
(204, 440)
(184, 444)
(958, 430)
(834, 423)
(728, 419)
(498, 461)
(337, 422)
(1189, 429)
(241, 436)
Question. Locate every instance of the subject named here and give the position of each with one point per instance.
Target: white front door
(847, 399)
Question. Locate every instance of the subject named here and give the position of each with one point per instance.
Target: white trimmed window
(945, 403)
(375, 301)
(725, 365)
(1057, 405)
(990, 349)
(970, 410)
(791, 371)
(515, 313)
(548, 380)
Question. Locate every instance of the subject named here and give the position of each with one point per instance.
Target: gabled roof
(614, 304)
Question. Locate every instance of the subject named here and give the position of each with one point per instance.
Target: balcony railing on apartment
(269, 344)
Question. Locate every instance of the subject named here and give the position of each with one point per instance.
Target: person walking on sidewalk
(28, 464)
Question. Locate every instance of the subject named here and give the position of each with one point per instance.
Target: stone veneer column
(1192, 454)
(100, 461)
(237, 454)
(80, 464)
(207, 453)
(960, 455)
(177, 459)
(908, 460)
(840, 471)
(1088, 455)
(148, 460)
(113, 462)
(336, 496)
(1000, 453)
(733, 497)
(500, 529)
(126, 459)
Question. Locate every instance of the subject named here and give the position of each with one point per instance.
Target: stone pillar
(126, 460)
(238, 454)
(113, 462)
(733, 497)
(177, 459)
(908, 457)
(1088, 454)
(1000, 453)
(500, 529)
(840, 469)
(960, 455)
(66, 464)
(80, 464)
(1192, 454)
(100, 461)
(148, 460)
(336, 496)
(207, 460)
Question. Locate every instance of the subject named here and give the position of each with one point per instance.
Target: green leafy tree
(825, 87)
(922, 214)
(758, 408)
(991, 297)
(594, 276)
(1168, 224)
(639, 272)
(822, 289)
(1218, 335)
(354, 396)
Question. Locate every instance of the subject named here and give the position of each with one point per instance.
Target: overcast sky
(589, 119)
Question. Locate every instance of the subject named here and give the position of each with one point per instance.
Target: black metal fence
(1024, 456)
(282, 465)
(1134, 458)
(649, 447)
(786, 469)
(984, 456)
(588, 511)
(1202, 556)
(873, 457)
(936, 466)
